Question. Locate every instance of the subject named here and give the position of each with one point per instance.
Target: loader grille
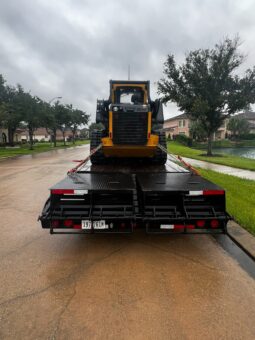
(130, 128)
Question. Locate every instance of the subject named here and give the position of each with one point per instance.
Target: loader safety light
(115, 108)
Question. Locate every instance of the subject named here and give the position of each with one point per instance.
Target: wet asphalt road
(109, 286)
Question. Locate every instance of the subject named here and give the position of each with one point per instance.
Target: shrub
(247, 136)
(183, 139)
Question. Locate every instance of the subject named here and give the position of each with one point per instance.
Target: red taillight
(149, 135)
(213, 192)
(77, 226)
(62, 191)
(68, 223)
(110, 135)
(55, 223)
(200, 223)
(190, 226)
(214, 223)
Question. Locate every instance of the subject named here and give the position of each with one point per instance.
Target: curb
(242, 238)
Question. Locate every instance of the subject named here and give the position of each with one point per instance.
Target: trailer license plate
(166, 226)
(86, 224)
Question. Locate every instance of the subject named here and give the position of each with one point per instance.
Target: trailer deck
(120, 197)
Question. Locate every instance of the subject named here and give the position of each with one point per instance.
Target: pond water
(241, 152)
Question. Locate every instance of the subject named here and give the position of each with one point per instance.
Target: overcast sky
(71, 48)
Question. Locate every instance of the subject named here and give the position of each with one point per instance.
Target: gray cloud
(73, 47)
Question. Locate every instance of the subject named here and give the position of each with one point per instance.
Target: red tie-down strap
(84, 161)
(187, 165)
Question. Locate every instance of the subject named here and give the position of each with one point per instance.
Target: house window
(180, 123)
(183, 123)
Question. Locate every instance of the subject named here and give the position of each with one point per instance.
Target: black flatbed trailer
(119, 198)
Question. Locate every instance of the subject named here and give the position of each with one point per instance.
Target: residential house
(41, 134)
(179, 125)
(250, 116)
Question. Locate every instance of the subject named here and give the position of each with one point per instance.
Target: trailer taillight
(200, 223)
(55, 223)
(77, 226)
(68, 223)
(214, 223)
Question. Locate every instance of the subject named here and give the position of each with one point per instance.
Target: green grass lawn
(224, 159)
(240, 195)
(38, 147)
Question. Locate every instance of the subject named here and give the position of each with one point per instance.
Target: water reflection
(241, 152)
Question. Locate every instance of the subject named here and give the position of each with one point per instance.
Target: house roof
(181, 116)
(247, 114)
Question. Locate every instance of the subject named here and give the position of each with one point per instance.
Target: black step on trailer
(120, 197)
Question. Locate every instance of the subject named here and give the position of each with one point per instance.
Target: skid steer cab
(132, 124)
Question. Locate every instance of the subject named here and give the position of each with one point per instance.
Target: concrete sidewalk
(221, 168)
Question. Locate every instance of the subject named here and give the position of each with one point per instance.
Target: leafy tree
(206, 86)
(62, 117)
(10, 114)
(2, 90)
(77, 118)
(197, 131)
(33, 111)
(49, 121)
(238, 126)
(95, 126)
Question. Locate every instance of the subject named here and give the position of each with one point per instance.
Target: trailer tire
(95, 140)
(160, 156)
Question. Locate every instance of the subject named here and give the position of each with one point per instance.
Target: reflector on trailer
(213, 192)
(190, 226)
(206, 192)
(80, 192)
(62, 191)
(69, 192)
(195, 193)
(179, 226)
